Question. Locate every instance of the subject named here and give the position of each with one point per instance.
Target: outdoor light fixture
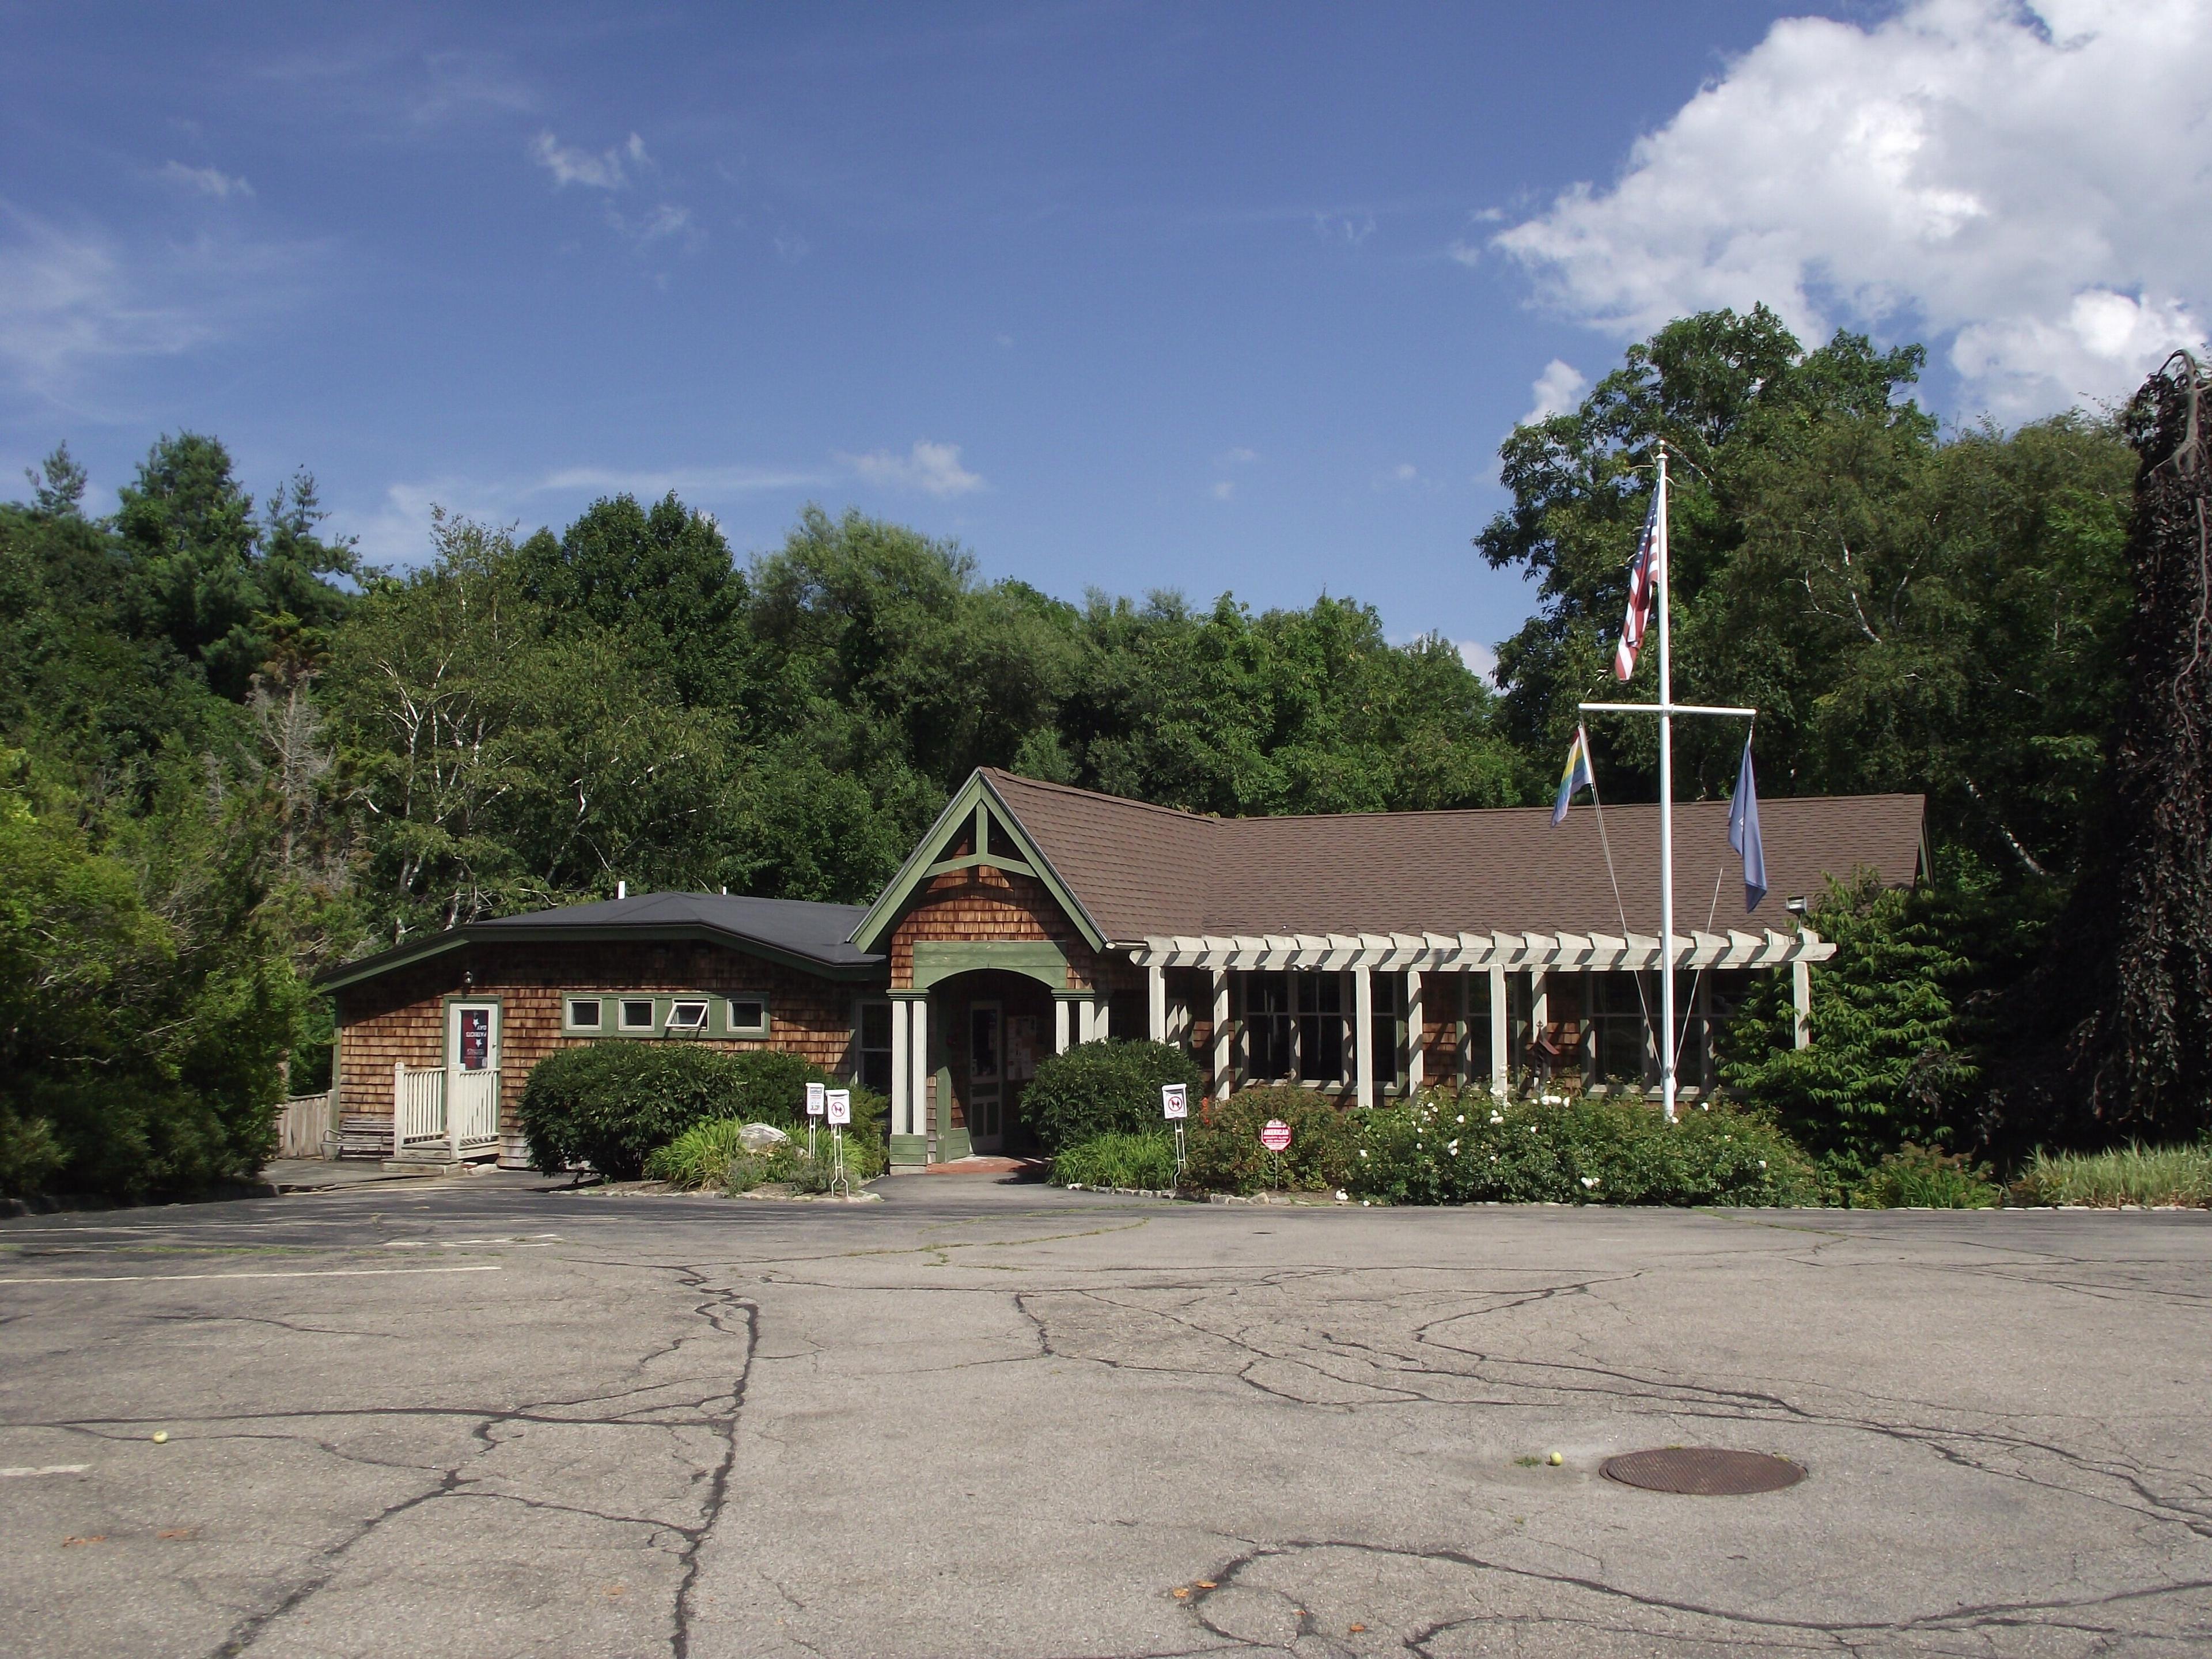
(1795, 906)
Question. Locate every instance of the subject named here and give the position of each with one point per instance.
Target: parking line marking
(51, 1468)
(313, 1272)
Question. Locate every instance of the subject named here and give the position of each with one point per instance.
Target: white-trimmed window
(688, 1016)
(583, 1014)
(871, 1043)
(748, 1016)
(637, 1014)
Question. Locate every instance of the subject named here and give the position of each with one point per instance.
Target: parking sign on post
(1175, 1099)
(817, 1096)
(839, 1102)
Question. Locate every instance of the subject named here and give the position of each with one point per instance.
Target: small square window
(584, 1013)
(637, 1016)
(749, 1015)
(688, 1014)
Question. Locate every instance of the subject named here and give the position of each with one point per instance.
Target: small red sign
(1276, 1137)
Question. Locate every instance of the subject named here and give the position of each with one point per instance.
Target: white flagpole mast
(1666, 708)
(1666, 812)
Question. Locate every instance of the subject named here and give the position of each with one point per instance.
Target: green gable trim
(938, 959)
(974, 799)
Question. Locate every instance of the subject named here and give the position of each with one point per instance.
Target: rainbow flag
(1576, 776)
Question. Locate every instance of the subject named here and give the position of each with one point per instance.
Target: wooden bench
(360, 1135)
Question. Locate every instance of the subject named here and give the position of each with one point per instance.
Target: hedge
(1108, 1087)
(610, 1105)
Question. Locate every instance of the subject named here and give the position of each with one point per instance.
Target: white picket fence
(302, 1124)
(430, 1106)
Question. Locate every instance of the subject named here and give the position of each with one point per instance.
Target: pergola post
(917, 1082)
(1156, 996)
(1363, 1036)
(1416, 1029)
(1501, 1079)
(1801, 997)
(1221, 1081)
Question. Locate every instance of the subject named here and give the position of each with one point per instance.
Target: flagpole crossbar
(1662, 709)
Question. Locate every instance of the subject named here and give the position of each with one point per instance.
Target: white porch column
(1059, 1007)
(1801, 996)
(1500, 1076)
(1221, 1080)
(1155, 989)
(917, 1063)
(1416, 1030)
(1539, 1012)
(1363, 1037)
(902, 1072)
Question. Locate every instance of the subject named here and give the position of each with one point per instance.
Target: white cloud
(932, 468)
(1465, 253)
(205, 181)
(1400, 476)
(791, 248)
(1239, 456)
(2024, 188)
(66, 299)
(1225, 490)
(1351, 228)
(606, 169)
(1557, 390)
(1481, 657)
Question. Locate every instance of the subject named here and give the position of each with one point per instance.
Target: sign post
(838, 1103)
(817, 1095)
(1276, 1138)
(1174, 1102)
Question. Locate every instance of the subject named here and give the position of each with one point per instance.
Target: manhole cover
(1703, 1471)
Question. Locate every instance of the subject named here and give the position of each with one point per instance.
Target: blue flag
(1743, 832)
(1574, 776)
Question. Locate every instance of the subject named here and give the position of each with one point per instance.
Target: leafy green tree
(663, 576)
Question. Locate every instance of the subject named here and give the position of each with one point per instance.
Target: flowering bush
(1444, 1147)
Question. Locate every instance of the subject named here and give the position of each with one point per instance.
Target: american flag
(1639, 595)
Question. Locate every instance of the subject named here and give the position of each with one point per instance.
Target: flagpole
(1666, 812)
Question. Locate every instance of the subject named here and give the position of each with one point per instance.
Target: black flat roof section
(800, 933)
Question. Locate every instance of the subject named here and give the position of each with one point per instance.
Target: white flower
(1362, 1152)
(1589, 1181)
(1461, 1118)
(1453, 1148)
(1498, 1117)
(1762, 1163)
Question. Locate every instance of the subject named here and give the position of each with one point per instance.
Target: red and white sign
(839, 1102)
(1175, 1099)
(1276, 1137)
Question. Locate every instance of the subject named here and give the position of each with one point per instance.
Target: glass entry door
(986, 1084)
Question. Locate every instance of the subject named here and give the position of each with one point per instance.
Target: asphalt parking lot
(477, 1417)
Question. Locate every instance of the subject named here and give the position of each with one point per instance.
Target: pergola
(1496, 954)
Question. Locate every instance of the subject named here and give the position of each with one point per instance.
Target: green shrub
(30, 1155)
(1926, 1178)
(1224, 1153)
(1143, 1161)
(712, 1155)
(2127, 1175)
(610, 1104)
(1104, 1088)
(1448, 1148)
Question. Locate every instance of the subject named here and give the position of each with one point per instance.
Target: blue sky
(1129, 296)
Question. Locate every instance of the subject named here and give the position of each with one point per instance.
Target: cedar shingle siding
(401, 1015)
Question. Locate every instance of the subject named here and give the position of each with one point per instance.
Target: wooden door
(986, 1082)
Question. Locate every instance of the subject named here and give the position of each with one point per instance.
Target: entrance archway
(996, 1026)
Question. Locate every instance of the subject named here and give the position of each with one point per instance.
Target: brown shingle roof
(1143, 871)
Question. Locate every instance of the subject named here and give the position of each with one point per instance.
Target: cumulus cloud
(1557, 390)
(932, 468)
(2022, 187)
(1479, 657)
(205, 181)
(1225, 490)
(606, 169)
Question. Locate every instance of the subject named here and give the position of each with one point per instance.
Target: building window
(1618, 1029)
(1296, 1028)
(1474, 1052)
(585, 1014)
(637, 1014)
(748, 1017)
(1386, 1035)
(875, 1046)
(688, 1015)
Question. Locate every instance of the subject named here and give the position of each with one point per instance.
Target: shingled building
(1359, 954)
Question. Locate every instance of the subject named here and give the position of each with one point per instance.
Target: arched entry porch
(967, 1037)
